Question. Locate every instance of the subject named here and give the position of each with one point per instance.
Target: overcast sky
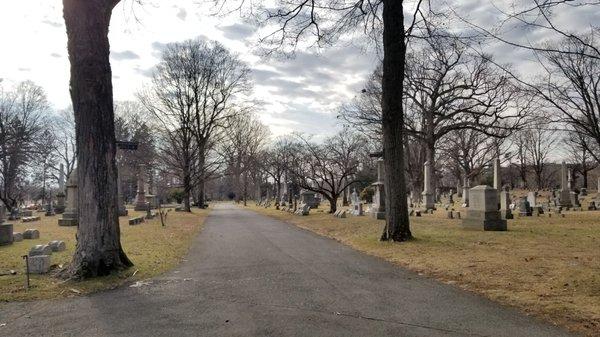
(301, 94)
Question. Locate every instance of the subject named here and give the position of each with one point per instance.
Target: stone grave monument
(71, 213)
(378, 206)
(483, 210)
(428, 196)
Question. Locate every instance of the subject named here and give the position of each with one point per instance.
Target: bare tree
(64, 146)
(539, 144)
(243, 143)
(193, 95)
(447, 89)
(22, 111)
(279, 157)
(471, 151)
(579, 147)
(98, 250)
(572, 88)
(323, 22)
(328, 168)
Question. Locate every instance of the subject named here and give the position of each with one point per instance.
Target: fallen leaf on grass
(75, 290)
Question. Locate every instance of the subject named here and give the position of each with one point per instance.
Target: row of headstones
(302, 209)
(39, 257)
(8, 236)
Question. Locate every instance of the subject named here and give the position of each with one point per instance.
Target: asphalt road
(250, 275)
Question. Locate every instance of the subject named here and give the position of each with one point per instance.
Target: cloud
(24, 69)
(182, 14)
(237, 31)
(53, 23)
(124, 55)
(57, 55)
(147, 72)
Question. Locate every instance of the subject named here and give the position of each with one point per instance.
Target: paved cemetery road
(249, 275)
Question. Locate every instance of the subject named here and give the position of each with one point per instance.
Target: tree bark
(332, 204)
(397, 222)
(98, 250)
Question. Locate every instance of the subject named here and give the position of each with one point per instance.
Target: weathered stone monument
(575, 200)
(565, 194)
(428, 197)
(59, 208)
(71, 213)
(308, 198)
(524, 207)
(505, 211)
(357, 206)
(497, 177)
(57, 245)
(532, 199)
(378, 206)
(39, 264)
(483, 210)
(49, 209)
(6, 234)
(40, 250)
(465, 193)
(140, 198)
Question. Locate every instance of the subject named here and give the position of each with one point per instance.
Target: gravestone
(532, 199)
(505, 211)
(60, 196)
(483, 210)
(31, 234)
(575, 200)
(39, 264)
(304, 210)
(57, 245)
(40, 250)
(71, 213)
(428, 197)
(17, 237)
(49, 209)
(308, 198)
(378, 206)
(6, 234)
(465, 193)
(497, 177)
(583, 192)
(140, 199)
(524, 207)
(357, 206)
(565, 193)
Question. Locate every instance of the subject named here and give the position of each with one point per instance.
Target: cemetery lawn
(152, 248)
(548, 267)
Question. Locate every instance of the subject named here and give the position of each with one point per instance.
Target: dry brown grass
(549, 267)
(152, 248)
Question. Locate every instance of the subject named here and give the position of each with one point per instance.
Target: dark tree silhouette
(98, 250)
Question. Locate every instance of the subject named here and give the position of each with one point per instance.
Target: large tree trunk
(201, 197)
(332, 204)
(98, 250)
(397, 223)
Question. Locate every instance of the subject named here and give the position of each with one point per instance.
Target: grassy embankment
(152, 248)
